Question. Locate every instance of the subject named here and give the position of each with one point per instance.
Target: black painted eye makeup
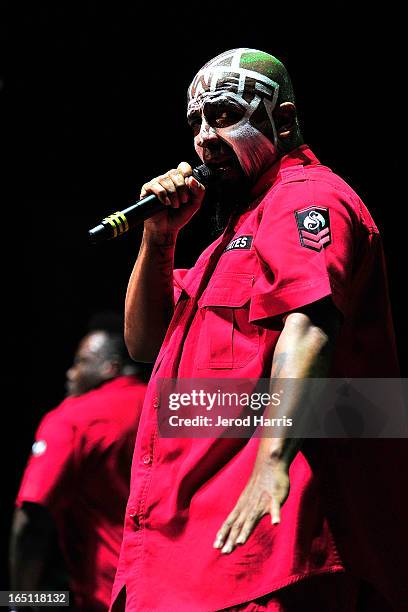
(222, 113)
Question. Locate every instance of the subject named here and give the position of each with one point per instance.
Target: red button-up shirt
(305, 236)
(80, 471)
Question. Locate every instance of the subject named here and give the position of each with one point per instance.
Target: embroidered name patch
(242, 242)
(314, 227)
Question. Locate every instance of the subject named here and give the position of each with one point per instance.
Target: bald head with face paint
(241, 109)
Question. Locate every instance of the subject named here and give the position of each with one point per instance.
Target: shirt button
(156, 402)
(146, 459)
(133, 515)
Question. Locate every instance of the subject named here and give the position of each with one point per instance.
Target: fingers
(237, 529)
(158, 190)
(225, 529)
(249, 510)
(174, 187)
(185, 169)
(265, 493)
(248, 526)
(275, 510)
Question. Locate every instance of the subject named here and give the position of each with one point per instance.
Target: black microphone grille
(204, 175)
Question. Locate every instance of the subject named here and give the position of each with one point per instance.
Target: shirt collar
(301, 156)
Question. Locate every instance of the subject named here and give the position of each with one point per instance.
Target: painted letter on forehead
(223, 75)
(231, 73)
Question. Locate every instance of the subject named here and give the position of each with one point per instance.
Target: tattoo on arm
(279, 360)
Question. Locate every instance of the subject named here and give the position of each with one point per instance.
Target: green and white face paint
(233, 97)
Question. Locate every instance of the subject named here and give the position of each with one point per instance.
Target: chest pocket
(227, 339)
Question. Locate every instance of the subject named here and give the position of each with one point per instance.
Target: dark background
(97, 108)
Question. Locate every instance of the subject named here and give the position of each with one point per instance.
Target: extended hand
(266, 491)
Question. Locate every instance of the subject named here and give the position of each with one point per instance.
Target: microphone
(122, 221)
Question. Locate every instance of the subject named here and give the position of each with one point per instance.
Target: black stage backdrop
(98, 107)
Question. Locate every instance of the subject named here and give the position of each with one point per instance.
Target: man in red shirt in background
(76, 482)
(293, 288)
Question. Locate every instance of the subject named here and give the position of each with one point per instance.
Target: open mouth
(220, 165)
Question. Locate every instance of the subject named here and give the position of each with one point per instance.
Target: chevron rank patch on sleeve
(314, 227)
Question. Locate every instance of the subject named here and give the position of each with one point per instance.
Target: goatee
(227, 198)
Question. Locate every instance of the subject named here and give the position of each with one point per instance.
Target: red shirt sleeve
(50, 466)
(305, 244)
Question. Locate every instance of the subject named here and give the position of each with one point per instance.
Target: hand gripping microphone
(122, 221)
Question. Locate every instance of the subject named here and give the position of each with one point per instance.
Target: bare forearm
(303, 352)
(26, 568)
(28, 551)
(149, 300)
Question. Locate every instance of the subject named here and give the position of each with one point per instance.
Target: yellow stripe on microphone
(118, 222)
(124, 221)
(112, 224)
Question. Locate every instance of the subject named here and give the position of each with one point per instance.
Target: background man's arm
(303, 351)
(31, 534)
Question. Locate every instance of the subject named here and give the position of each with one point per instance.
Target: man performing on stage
(293, 287)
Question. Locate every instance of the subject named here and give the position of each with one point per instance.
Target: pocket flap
(228, 289)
